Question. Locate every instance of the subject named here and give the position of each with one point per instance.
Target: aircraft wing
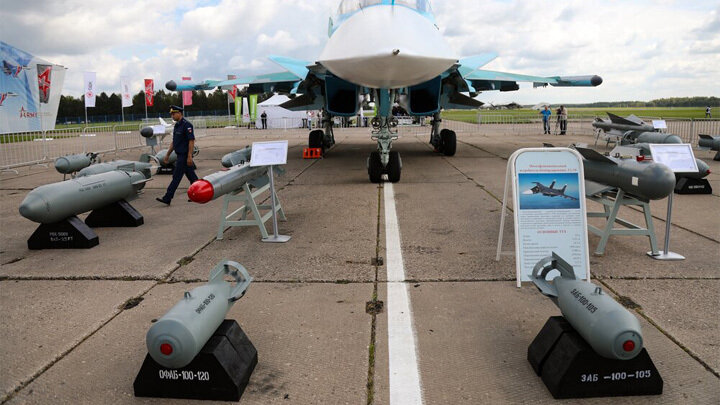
(483, 80)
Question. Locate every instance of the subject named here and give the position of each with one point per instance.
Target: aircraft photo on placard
(542, 191)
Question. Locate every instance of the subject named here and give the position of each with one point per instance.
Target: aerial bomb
(160, 157)
(707, 142)
(645, 180)
(220, 183)
(124, 165)
(176, 338)
(54, 202)
(238, 157)
(617, 123)
(657, 137)
(608, 327)
(72, 163)
(703, 168)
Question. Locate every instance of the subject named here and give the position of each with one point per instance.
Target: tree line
(661, 102)
(110, 104)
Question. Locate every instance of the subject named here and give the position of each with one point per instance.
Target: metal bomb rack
(239, 216)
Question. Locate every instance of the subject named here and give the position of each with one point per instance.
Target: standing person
(263, 118)
(707, 112)
(183, 144)
(546, 119)
(563, 116)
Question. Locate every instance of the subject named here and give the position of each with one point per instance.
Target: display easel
(248, 198)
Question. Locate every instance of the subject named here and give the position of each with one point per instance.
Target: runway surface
(360, 306)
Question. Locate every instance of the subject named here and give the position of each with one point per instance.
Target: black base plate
(70, 233)
(220, 371)
(686, 185)
(117, 214)
(570, 368)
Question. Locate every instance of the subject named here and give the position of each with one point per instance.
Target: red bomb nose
(201, 191)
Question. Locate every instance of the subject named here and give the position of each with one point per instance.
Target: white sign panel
(678, 157)
(659, 124)
(550, 214)
(269, 153)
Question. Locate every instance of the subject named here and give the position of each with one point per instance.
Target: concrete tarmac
(73, 322)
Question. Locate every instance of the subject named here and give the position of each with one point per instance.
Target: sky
(643, 49)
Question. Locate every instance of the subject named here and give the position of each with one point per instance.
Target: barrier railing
(31, 148)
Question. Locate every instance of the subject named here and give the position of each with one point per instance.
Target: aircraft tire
(375, 168)
(394, 167)
(315, 139)
(448, 139)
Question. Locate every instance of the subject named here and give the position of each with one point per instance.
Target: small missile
(608, 327)
(124, 165)
(220, 183)
(72, 163)
(657, 137)
(617, 123)
(54, 202)
(238, 157)
(160, 158)
(176, 338)
(645, 180)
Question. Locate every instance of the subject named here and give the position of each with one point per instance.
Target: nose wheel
(392, 170)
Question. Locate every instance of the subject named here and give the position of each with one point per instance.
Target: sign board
(269, 153)
(550, 214)
(158, 129)
(659, 124)
(678, 157)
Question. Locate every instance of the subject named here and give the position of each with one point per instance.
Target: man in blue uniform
(183, 144)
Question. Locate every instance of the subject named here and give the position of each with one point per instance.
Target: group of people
(561, 120)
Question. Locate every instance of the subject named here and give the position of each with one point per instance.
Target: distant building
(540, 106)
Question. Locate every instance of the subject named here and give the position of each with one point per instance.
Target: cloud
(643, 49)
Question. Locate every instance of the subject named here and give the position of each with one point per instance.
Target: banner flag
(125, 92)
(232, 92)
(238, 110)
(253, 107)
(44, 82)
(89, 89)
(149, 93)
(187, 95)
(245, 110)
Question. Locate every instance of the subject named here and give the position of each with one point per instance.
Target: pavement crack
(373, 307)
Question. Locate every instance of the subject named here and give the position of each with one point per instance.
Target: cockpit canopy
(349, 7)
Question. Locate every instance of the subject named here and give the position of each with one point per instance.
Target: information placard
(659, 124)
(269, 153)
(678, 157)
(550, 213)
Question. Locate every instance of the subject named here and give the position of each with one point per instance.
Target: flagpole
(228, 101)
(86, 121)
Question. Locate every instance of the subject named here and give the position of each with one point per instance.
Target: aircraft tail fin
(295, 66)
(630, 120)
(162, 121)
(593, 155)
(562, 190)
(552, 184)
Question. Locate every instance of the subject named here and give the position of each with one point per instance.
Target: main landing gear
(323, 139)
(444, 141)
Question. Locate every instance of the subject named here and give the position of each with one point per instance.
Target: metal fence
(29, 148)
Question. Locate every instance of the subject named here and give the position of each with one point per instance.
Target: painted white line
(405, 386)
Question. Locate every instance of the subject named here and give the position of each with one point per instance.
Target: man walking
(263, 119)
(563, 117)
(707, 112)
(183, 144)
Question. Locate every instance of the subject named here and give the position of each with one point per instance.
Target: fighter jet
(385, 51)
(539, 188)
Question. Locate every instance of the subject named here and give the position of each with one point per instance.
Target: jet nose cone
(596, 80)
(34, 208)
(171, 85)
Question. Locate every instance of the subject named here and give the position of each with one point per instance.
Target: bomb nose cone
(201, 191)
(62, 165)
(146, 132)
(171, 85)
(34, 208)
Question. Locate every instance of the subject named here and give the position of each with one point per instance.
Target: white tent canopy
(278, 117)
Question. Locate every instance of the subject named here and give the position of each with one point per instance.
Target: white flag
(90, 89)
(125, 92)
